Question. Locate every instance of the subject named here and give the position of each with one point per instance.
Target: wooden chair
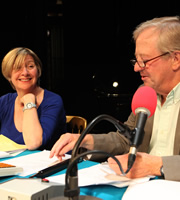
(75, 124)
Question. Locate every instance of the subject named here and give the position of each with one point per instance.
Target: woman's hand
(28, 98)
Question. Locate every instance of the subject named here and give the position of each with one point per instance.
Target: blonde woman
(31, 115)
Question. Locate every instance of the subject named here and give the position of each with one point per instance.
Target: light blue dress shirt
(164, 127)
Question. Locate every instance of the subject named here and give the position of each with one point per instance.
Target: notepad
(7, 144)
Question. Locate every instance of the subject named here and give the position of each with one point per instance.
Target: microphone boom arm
(123, 129)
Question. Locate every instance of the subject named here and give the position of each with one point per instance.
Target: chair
(75, 124)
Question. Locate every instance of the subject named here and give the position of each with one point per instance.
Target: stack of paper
(9, 170)
(97, 175)
(34, 162)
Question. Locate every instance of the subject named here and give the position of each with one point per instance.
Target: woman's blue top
(51, 114)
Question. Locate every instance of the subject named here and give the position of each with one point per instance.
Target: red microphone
(143, 105)
(144, 98)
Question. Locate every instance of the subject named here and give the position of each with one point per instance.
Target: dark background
(84, 45)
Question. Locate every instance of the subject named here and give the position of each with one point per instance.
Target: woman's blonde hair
(14, 59)
(168, 29)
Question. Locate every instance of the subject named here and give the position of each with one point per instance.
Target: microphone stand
(71, 188)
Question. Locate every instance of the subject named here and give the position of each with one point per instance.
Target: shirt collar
(172, 97)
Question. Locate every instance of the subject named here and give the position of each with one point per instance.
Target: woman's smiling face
(25, 77)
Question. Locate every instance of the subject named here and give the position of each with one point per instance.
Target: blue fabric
(105, 192)
(51, 115)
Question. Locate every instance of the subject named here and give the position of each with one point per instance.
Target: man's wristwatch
(29, 106)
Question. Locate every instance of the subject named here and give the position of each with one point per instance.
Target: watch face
(29, 105)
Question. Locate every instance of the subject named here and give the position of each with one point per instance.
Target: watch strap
(162, 171)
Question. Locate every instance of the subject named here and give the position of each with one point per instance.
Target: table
(105, 192)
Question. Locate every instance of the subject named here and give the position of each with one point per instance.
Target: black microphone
(143, 105)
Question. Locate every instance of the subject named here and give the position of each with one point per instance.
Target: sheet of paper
(6, 154)
(7, 144)
(34, 162)
(98, 174)
(152, 190)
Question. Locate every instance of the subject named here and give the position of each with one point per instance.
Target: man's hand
(66, 143)
(144, 165)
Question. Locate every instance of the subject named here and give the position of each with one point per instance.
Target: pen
(52, 169)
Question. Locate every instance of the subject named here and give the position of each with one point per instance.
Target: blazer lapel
(147, 137)
(177, 137)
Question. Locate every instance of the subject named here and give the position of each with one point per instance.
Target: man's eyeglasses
(142, 63)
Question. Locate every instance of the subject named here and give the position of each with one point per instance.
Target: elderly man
(157, 59)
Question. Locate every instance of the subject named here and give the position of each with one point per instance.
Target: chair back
(75, 124)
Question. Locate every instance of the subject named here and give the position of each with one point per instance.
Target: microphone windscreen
(144, 97)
